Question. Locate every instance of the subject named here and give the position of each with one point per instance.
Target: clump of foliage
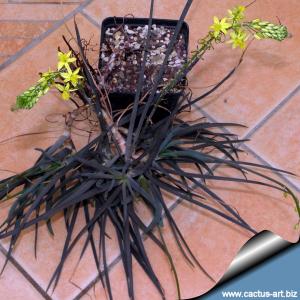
(132, 160)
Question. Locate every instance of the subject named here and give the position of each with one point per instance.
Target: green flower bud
(262, 24)
(31, 96)
(269, 30)
(255, 21)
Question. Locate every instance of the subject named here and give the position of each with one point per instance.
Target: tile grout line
(249, 149)
(44, 35)
(28, 21)
(269, 115)
(87, 288)
(264, 161)
(40, 3)
(9, 38)
(90, 19)
(21, 270)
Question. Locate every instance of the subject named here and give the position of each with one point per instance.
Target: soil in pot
(122, 56)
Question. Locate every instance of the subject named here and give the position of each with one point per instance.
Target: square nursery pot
(125, 38)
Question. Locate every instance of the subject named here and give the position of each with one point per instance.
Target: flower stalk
(234, 30)
(68, 78)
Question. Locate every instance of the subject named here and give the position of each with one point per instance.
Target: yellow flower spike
(71, 76)
(220, 26)
(64, 59)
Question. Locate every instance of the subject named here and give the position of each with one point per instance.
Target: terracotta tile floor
(264, 95)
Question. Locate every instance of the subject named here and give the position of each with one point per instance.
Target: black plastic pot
(122, 100)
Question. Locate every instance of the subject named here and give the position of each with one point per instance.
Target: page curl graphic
(258, 249)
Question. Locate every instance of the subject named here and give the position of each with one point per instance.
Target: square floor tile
(13, 285)
(278, 141)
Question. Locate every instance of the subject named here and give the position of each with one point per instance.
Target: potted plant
(123, 43)
(139, 152)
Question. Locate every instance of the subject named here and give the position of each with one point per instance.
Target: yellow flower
(65, 90)
(237, 13)
(64, 59)
(71, 76)
(238, 39)
(220, 26)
